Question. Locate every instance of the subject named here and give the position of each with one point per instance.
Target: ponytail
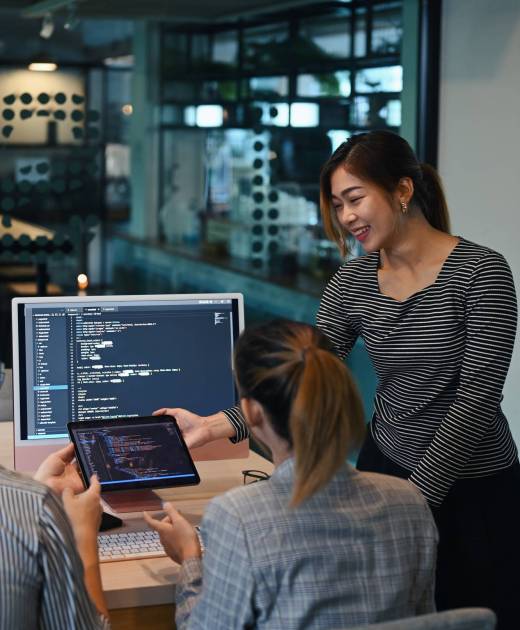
(326, 421)
(308, 395)
(431, 199)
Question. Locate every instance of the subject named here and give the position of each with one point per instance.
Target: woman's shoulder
(478, 261)
(243, 502)
(390, 494)
(474, 252)
(356, 269)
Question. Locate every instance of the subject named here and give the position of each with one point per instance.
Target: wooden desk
(140, 593)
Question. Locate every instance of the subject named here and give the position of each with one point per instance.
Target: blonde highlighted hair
(308, 394)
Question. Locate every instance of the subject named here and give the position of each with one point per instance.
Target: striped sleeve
(64, 600)
(235, 417)
(491, 317)
(332, 320)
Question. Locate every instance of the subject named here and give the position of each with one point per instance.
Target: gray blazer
(361, 550)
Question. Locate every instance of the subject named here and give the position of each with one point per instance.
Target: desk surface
(150, 582)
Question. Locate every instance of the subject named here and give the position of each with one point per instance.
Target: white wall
(479, 143)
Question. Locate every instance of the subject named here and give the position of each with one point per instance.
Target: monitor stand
(133, 501)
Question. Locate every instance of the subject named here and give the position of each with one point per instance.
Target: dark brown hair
(309, 396)
(383, 158)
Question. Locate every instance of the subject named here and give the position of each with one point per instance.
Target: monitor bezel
(46, 446)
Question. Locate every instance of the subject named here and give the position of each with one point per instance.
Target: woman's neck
(280, 455)
(416, 245)
(267, 436)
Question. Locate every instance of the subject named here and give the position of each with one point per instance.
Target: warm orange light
(82, 281)
(40, 66)
(127, 109)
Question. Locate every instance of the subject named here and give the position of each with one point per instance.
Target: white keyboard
(129, 546)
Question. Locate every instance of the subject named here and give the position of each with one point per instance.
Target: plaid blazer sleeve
(223, 599)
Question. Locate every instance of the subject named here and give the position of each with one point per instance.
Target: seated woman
(319, 545)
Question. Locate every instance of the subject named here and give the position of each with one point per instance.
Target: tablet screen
(132, 453)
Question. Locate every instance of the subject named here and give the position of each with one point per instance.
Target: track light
(47, 28)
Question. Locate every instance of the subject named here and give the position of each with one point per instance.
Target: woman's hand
(84, 511)
(58, 472)
(195, 429)
(178, 536)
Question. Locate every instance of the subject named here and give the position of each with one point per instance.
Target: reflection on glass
(200, 47)
(330, 84)
(172, 115)
(388, 79)
(337, 137)
(305, 115)
(249, 207)
(360, 112)
(267, 87)
(225, 48)
(204, 116)
(209, 116)
(244, 187)
(387, 28)
(276, 114)
(360, 34)
(179, 91)
(391, 113)
(267, 45)
(175, 53)
(219, 90)
(328, 37)
(190, 116)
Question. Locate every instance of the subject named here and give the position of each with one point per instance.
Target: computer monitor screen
(89, 358)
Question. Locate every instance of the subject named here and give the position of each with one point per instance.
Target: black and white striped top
(441, 357)
(41, 583)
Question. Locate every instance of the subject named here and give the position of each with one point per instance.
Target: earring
(404, 207)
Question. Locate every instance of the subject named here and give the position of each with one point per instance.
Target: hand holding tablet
(133, 453)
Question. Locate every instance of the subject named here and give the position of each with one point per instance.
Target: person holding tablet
(438, 316)
(319, 545)
(48, 549)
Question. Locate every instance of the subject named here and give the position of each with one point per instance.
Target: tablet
(133, 453)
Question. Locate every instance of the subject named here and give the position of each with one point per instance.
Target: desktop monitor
(87, 358)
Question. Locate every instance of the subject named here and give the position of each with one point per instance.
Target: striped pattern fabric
(41, 574)
(360, 550)
(441, 357)
(234, 415)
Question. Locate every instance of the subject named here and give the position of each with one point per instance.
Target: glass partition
(247, 129)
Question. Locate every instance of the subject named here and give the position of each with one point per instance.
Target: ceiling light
(43, 66)
(72, 16)
(47, 28)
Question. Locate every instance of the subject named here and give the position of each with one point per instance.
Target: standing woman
(438, 317)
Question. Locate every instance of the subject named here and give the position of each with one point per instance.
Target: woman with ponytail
(438, 315)
(319, 545)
